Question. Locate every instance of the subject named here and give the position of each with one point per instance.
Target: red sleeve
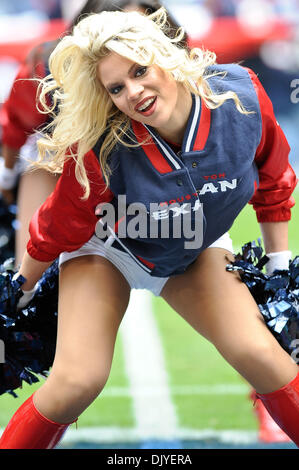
(273, 199)
(19, 116)
(65, 222)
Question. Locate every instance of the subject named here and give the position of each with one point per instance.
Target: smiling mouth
(146, 106)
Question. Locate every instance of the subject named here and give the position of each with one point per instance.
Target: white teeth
(146, 104)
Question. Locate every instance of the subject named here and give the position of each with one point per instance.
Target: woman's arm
(277, 180)
(32, 270)
(275, 236)
(63, 223)
(273, 199)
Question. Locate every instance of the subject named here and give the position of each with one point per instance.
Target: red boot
(283, 406)
(29, 429)
(268, 430)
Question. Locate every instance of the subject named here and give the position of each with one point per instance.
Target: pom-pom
(277, 295)
(29, 334)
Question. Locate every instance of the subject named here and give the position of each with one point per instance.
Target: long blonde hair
(81, 107)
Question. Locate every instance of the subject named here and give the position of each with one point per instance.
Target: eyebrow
(111, 85)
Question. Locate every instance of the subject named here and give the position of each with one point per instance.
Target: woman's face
(145, 94)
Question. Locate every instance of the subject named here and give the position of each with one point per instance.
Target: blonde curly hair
(85, 109)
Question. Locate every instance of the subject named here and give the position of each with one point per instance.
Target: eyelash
(116, 90)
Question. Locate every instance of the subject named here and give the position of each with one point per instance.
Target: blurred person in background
(15, 6)
(220, 7)
(52, 8)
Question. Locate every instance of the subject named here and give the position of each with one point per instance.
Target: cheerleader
(143, 120)
(20, 117)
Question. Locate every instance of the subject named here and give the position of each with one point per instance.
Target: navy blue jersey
(214, 170)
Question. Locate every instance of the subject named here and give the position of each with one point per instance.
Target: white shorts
(135, 275)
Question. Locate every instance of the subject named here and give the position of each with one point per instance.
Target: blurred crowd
(270, 29)
(51, 9)
(254, 17)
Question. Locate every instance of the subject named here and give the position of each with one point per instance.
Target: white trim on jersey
(164, 149)
(193, 124)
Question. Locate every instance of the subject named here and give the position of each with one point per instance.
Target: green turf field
(191, 363)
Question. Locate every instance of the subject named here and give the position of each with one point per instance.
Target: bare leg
(93, 297)
(34, 188)
(220, 307)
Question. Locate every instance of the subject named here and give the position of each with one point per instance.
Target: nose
(134, 90)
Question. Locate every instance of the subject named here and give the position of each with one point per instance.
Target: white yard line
(179, 390)
(155, 413)
(119, 435)
(110, 435)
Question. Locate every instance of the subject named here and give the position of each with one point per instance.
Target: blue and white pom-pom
(28, 335)
(277, 295)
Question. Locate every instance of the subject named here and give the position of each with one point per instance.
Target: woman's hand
(278, 260)
(27, 295)
(31, 270)
(275, 236)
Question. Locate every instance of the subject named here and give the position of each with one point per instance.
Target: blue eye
(115, 90)
(140, 71)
